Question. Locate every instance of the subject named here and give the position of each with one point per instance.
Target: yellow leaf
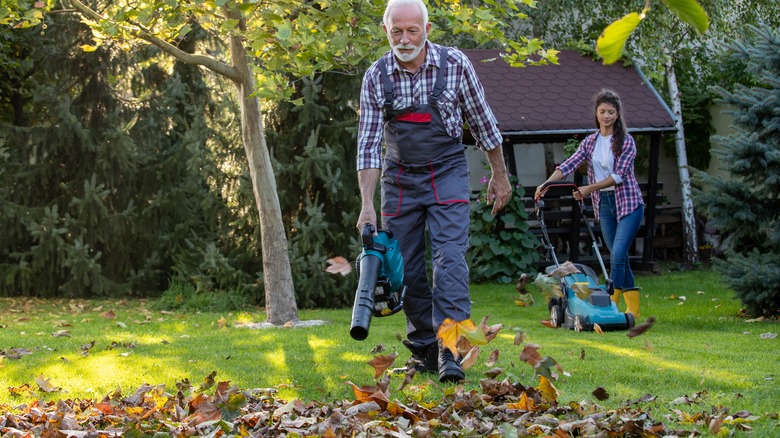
(612, 41)
(88, 48)
(582, 290)
(451, 330)
(547, 390)
(524, 404)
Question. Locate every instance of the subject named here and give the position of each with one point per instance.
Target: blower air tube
(370, 268)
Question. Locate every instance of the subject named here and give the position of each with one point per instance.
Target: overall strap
(438, 87)
(386, 84)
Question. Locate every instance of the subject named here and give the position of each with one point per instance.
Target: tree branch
(193, 59)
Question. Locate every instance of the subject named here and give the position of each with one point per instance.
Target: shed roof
(558, 99)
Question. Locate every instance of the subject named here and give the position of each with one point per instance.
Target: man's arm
(499, 190)
(367, 179)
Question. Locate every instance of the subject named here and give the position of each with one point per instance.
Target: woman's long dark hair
(619, 130)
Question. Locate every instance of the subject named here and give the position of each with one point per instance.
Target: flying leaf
(549, 286)
(339, 265)
(597, 329)
(492, 359)
(378, 349)
(450, 331)
(493, 372)
(470, 358)
(530, 355)
(567, 268)
(490, 331)
(600, 394)
(522, 283)
(581, 290)
(520, 337)
(382, 363)
(408, 378)
(691, 12)
(612, 41)
(641, 328)
(208, 381)
(547, 323)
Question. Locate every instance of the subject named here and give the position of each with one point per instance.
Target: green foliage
(744, 207)
(108, 193)
(502, 246)
(314, 151)
(696, 101)
(185, 297)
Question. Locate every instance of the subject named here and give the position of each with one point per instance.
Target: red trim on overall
(400, 195)
(415, 118)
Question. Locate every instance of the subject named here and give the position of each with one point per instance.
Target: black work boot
(426, 357)
(449, 367)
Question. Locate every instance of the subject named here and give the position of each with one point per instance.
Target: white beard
(408, 57)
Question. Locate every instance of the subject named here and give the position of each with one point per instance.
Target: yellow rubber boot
(632, 302)
(616, 295)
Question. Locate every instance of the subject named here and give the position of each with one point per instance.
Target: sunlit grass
(699, 345)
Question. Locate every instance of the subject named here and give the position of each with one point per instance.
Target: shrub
(502, 246)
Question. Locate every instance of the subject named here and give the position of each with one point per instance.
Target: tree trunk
(690, 245)
(280, 302)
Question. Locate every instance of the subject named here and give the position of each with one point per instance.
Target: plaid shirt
(628, 196)
(463, 97)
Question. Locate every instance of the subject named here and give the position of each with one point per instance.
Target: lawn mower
(583, 302)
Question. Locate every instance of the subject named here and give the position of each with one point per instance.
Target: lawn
(700, 355)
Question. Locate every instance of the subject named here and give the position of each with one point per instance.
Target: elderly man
(416, 98)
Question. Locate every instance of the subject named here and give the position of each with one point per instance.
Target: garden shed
(540, 106)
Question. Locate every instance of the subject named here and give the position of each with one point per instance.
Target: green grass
(699, 346)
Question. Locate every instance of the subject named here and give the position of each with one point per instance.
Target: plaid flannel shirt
(628, 196)
(463, 98)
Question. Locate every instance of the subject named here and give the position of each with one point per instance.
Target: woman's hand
(582, 193)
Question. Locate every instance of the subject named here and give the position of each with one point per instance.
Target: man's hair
(392, 4)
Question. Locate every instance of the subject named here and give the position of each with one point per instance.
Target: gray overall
(425, 182)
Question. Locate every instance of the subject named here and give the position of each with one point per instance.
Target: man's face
(407, 32)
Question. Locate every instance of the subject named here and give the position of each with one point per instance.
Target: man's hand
(367, 216)
(499, 192)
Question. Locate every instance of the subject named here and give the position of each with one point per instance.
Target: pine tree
(745, 206)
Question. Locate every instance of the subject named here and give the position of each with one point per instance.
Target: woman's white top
(603, 160)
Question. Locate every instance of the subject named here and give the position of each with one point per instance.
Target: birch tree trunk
(690, 244)
(280, 302)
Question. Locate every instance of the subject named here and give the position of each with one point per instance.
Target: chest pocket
(450, 113)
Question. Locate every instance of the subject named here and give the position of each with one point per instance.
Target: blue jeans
(619, 236)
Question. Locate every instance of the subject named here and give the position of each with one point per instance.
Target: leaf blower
(380, 291)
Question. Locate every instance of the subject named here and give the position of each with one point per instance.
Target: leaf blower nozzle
(380, 290)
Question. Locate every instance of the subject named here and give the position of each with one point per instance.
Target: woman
(617, 199)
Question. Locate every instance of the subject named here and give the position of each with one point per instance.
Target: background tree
(744, 207)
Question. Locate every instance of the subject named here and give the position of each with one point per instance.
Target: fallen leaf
(61, 334)
(641, 328)
(45, 385)
(339, 265)
(600, 394)
(221, 322)
(407, 378)
(547, 390)
(768, 335)
(597, 329)
(382, 363)
(108, 315)
(547, 323)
